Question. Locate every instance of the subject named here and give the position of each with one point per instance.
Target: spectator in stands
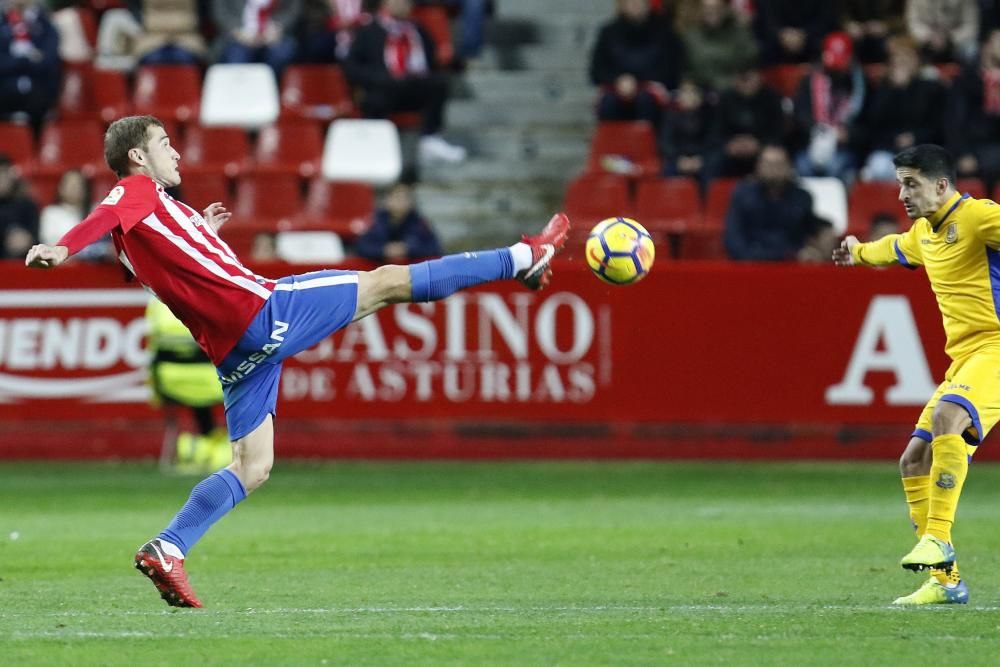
(790, 31)
(257, 31)
(328, 29)
(392, 61)
(828, 101)
(716, 45)
(869, 23)
(30, 67)
(637, 59)
(18, 213)
(74, 46)
(882, 225)
(748, 115)
(944, 30)
(819, 243)
(72, 204)
(769, 216)
(902, 110)
(973, 117)
(399, 232)
(687, 133)
(151, 32)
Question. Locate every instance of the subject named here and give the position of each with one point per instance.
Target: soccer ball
(620, 251)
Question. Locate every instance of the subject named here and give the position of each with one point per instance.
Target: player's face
(160, 158)
(921, 196)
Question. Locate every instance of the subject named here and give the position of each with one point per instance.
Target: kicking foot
(544, 246)
(929, 552)
(167, 574)
(934, 592)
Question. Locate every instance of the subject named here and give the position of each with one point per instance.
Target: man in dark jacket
(769, 216)
(637, 59)
(392, 60)
(18, 214)
(973, 122)
(30, 67)
(398, 232)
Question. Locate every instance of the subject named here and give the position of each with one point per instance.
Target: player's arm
(94, 227)
(892, 249)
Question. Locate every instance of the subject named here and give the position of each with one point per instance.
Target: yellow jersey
(959, 246)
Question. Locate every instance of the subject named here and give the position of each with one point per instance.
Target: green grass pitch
(496, 563)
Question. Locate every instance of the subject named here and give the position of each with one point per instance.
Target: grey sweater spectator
(398, 232)
(257, 31)
(717, 45)
(18, 214)
(30, 67)
(769, 217)
(945, 30)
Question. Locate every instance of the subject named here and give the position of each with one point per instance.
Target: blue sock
(442, 277)
(210, 500)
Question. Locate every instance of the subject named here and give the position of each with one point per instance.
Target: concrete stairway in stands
(525, 111)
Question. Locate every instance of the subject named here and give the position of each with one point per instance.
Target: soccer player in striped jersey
(248, 324)
(956, 238)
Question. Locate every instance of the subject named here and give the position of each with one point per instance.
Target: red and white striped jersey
(176, 255)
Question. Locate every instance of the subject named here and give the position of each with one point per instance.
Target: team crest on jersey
(951, 235)
(114, 196)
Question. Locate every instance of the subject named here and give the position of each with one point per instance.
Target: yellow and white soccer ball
(620, 251)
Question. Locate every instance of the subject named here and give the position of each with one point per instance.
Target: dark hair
(122, 136)
(931, 160)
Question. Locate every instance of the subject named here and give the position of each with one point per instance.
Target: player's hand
(216, 215)
(842, 255)
(43, 256)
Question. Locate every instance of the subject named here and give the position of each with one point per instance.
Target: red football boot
(167, 574)
(544, 246)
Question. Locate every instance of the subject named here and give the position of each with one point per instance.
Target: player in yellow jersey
(957, 240)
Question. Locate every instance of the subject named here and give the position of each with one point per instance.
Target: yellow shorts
(973, 383)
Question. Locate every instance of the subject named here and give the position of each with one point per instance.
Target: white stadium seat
(829, 200)
(364, 151)
(309, 247)
(240, 96)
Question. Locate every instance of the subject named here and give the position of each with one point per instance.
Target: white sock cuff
(521, 252)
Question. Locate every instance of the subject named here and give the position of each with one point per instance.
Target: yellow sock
(917, 490)
(949, 467)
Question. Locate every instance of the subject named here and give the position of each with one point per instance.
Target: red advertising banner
(696, 352)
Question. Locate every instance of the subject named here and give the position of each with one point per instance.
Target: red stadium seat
(101, 184)
(704, 242)
(289, 148)
(206, 188)
(869, 199)
(717, 202)
(93, 94)
(222, 150)
(973, 186)
(268, 202)
(316, 91)
(345, 208)
(784, 79)
(632, 140)
(170, 92)
(72, 143)
(668, 205)
(435, 21)
(17, 143)
(593, 197)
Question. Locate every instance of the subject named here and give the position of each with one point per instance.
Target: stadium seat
(215, 150)
(634, 141)
(703, 243)
(668, 205)
(309, 247)
(17, 143)
(829, 200)
(101, 184)
(268, 202)
(717, 200)
(289, 148)
(72, 143)
(318, 92)
(869, 199)
(206, 188)
(239, 96)
(591, 198)
(973, 186)
(93, 94)
(345, 208)
(169, 92)
(364, 150)
(784, 79)
(434, 19)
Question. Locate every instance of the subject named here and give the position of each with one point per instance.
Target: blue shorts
(302, 311)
